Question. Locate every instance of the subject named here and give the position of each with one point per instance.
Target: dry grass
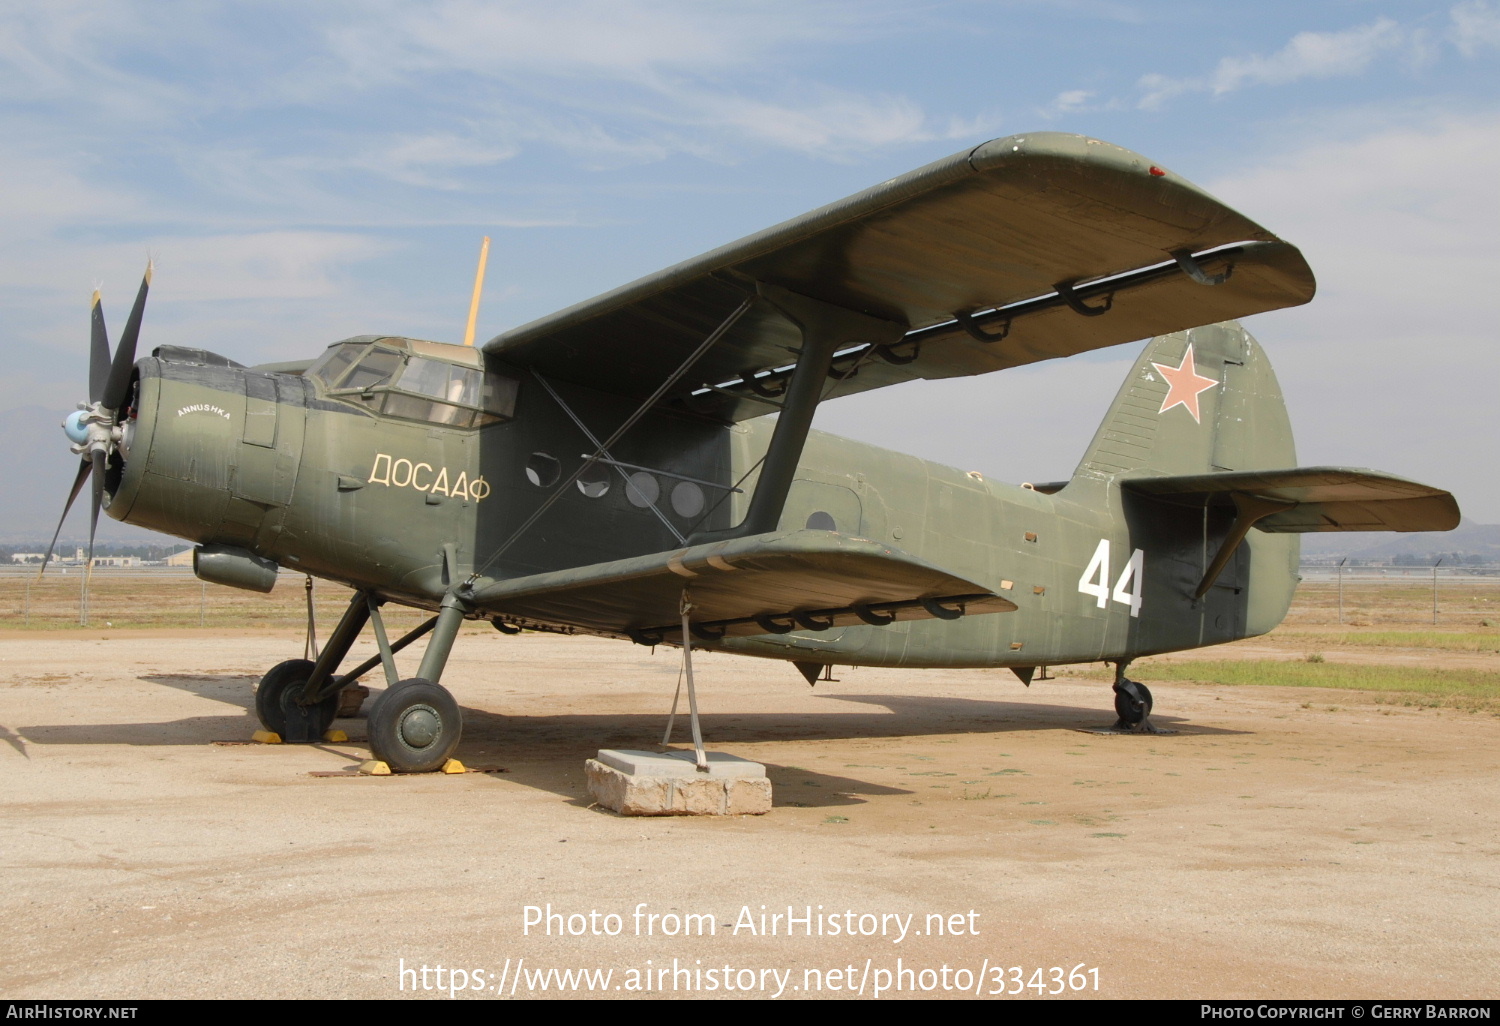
(170, 599)
(1472, 690)
(1464, 601)
(1448, 641)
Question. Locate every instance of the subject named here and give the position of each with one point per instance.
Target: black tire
(414, 726)
(271, 687)
(1132, 702)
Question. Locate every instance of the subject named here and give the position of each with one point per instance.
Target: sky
(305, 172)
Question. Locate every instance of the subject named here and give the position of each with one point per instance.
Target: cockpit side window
(331, 365)
(499, 398)
(417, 387)
(377, 368)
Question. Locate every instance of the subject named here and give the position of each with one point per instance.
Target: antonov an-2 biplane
(641, 466)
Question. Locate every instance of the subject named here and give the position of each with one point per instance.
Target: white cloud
(597, 38)
(424, 160)
(831, 122)
(1475, 26)
(264, 265)
(1306, 55)
(1070, 101)
(663, 67)
(202, 268)
(1158, 89)
(1311, 55)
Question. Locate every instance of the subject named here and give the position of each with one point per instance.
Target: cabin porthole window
(687, 499)
(594, 483)
(821, 521)
(642, 489)
(542, 470)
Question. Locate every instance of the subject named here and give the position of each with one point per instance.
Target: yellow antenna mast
(484, 255)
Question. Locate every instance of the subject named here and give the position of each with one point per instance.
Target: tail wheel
(1132, 703)
(414, 726)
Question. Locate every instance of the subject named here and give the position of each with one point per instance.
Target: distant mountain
(1468, 539)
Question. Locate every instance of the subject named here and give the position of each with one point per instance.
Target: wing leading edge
(1021, 249)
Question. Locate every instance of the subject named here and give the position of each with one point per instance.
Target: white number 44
(1095, 580)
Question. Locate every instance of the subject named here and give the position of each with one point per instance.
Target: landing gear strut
(1132, 704)
(414, 724)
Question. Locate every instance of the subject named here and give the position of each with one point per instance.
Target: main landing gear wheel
(277, 707)
(414, 726)
(1133, 706)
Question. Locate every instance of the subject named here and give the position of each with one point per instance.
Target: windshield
(415, 387)
(334, 361)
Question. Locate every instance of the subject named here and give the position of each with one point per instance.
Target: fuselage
(331, 482)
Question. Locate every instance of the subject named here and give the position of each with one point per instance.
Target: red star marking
(1184, 383)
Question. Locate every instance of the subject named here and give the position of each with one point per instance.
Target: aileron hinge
(977, 333)
(1194, 270)
(1077, 305)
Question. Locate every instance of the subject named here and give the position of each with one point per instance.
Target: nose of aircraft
(95, 428)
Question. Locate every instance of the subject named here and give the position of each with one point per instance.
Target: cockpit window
(412, 387)
(441, 381)
(376, 368)
(328, 367)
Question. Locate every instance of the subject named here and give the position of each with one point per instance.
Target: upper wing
(1032, 228)
(818, 576)
(1326, 498)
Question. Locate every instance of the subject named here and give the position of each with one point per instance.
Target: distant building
(183, 558)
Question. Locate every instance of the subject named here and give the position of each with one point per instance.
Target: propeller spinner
(97, 427)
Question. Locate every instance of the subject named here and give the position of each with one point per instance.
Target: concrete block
(636, 783)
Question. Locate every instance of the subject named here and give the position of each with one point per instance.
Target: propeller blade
(83, 472)
(98, 350)
(98, 504)
(113, 396)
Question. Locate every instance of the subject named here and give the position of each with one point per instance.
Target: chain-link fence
(1445, 597)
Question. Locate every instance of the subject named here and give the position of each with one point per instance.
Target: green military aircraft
(612, 469)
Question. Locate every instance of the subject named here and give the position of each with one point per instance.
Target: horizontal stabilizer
(1316, 498)
(767, 583)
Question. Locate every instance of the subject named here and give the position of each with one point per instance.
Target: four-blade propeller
(97, 426)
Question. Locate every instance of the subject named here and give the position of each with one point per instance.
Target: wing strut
(826, 329)
(687, 671)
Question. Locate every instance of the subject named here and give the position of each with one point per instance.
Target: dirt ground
(1284, 843)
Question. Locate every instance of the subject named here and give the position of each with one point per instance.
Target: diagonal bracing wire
(605, 452)
(630, 422)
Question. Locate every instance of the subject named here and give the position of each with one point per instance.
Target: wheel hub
(420, 726)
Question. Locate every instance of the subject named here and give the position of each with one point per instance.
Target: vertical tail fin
(1196, 401)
